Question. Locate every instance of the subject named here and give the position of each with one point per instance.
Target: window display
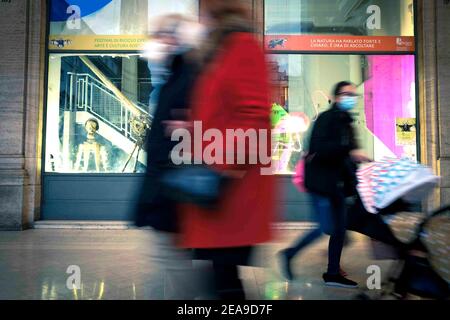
(351, 17)
(101, 91)
(385, 115)
(97, 112)
(109, 24)
(339, 26)
(312, 45)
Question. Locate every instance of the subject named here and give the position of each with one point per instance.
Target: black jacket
(328, 166)
(154, 209)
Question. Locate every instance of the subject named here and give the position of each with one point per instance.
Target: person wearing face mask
(158, 52)
(174, 36)
(232, 93)
(330, 177)
(174, 70)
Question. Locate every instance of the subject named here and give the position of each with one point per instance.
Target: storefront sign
(97, 42)
(333, 43)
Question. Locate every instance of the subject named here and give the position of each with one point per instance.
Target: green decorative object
(278, 113)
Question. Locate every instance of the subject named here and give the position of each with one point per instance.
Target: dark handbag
(195, 184)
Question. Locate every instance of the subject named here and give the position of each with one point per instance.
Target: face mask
(157, 52)
(192, 34)
(347, 103)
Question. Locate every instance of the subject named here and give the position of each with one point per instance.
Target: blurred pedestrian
(232, 92)
(169, 50)
(172, 35)
(330, 177)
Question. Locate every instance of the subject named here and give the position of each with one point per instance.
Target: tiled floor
(115, 264)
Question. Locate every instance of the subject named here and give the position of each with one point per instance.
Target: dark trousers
(227, 283)
(226, 262)
(331, 216)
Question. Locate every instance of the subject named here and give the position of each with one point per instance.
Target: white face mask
(157, 51)
(192, 34)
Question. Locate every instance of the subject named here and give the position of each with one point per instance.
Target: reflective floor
(115, 264)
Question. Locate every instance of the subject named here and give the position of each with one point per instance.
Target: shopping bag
(382, 183)
(298, 179)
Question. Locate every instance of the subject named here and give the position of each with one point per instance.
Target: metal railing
(86, 93)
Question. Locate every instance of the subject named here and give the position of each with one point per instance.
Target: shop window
(109, 24)
(385, 117)
(101, 92)
(95, 106)
(347, 17)
(312, 45)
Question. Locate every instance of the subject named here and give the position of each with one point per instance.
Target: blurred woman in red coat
(232, 92)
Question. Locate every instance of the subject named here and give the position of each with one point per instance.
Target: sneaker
(285, 264)
(337, 280)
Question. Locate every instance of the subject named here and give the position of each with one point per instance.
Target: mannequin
(90, 146)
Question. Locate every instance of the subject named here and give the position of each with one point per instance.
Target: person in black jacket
(330, 176)
(156, 210)
(174, 54)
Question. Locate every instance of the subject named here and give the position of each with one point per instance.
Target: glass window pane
(92, 101)
(109, 24)
(385, 117)
(346, 17)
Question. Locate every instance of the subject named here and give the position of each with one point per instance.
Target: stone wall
(443, 95)
(434, 99)
(21, 84)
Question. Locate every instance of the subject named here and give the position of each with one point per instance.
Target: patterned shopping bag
(382, 183)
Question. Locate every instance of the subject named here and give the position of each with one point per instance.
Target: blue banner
(87, 7)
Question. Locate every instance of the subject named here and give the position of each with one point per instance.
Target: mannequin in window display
(90, 146)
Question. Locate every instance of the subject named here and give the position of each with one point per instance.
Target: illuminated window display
(312, 45)
(385, 115)
(116, 90)
(101, 91)
(93, 106)
(109, 24)
(356, 17)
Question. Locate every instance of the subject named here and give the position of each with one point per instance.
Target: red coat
(232, 93)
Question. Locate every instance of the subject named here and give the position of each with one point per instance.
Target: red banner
(334, 43)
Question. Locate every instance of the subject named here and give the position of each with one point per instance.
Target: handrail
(91, 95)
(140, 106)
(129, 105)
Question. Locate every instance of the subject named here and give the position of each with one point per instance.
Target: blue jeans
(331, 216)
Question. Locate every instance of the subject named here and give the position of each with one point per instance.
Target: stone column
(130, 77)
(434, 89)
(21, 88)
(443, 95)
(134, 21)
